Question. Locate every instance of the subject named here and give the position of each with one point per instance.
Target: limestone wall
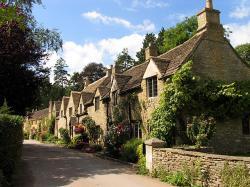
(174, 159)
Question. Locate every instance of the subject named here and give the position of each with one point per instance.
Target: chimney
(209, 20)
(115, 70)
(86, 82)
(109, 71)
(150, 51)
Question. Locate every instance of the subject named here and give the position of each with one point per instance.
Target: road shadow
(54, 166)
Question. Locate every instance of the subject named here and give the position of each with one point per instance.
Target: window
(97, 103)
(246, 124)
(152, 90)
(115, 98)
(61, 113)
(70, 111)
(137, 131)
(80, 108)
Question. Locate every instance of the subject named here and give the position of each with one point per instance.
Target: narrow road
(50, 166)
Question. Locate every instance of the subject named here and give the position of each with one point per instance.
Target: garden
(11, 136)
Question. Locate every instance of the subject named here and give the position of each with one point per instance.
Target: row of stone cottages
(213, 57)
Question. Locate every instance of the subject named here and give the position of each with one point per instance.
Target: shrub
(200, 130)
(116, 136)
(51, 125)
(237, 176)
(26, 135)
(142, 170)
(11, 136)
(65, 136)
(128, 151)
(80, 141)
(93, 130)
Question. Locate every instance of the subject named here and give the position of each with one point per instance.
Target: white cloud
(146, 26)
(149, 3)
(104, 51)
(241, 11)
(240, 33)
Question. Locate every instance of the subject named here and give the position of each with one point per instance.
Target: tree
(244, 52)
(160, 41)
(60, 73)
(24, 48)
(177, 35)
(76, 82)
(149, 38)
(124, 61)
(93, 71)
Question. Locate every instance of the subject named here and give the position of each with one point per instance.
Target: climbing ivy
(186, 95)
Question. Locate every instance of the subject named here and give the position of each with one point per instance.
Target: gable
(114, 86)
(152, 70)
(219, 61)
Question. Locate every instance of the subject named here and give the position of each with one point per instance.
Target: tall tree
(24, 47)
(124, 61)
(93, 71)
(76, 82)
(149, 38)
(244, 52)
(177, 35)
(61, 73)
(160, 41)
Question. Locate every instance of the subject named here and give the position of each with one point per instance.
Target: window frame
(152, 87)
(97, 103)
(115, 98)
(70, 111)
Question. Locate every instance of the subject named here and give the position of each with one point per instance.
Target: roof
(103, 91)
(87, 97)
(136, 75)
(57, 105)
(65, 101)
(38, 115)
(177, 56)
(76, 98)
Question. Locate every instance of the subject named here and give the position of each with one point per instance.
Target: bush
(142, 170)
(237, 176)
(26, 135)
(128, 151)
(65, 136)
(93, 130)
(11, 136)
(200, 130)
(79, 141)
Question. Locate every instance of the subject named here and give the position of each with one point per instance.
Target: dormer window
(97, 103)
(115, 98)
(152, 88)
(80, 108)
(61, 113)
(70, 111)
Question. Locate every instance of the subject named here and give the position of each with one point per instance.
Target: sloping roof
(66, 102)
(121, 80)
(76, 98)
(177, 56)
(136, 75)
(103, 91)
(162, 64)
(38, 115)
(87, 97)
(57, 105)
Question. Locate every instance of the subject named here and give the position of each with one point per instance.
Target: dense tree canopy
(124, 61)
(60, 73)
(24, 47)
(244, 52)
(93, 71)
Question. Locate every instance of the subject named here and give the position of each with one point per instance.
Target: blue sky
(97, 30)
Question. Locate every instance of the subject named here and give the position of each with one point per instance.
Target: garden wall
(174, 159)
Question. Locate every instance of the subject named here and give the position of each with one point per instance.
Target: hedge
(11, 136)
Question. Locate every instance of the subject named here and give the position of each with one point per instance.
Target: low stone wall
(173, 160)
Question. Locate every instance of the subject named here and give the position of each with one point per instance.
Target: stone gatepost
(150, 145)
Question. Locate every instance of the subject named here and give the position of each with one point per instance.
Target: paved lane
(50, 166)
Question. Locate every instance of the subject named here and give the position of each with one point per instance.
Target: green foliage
(4, 109)
(124, 61)
(61, 74)
(149, 38)
(65, 136)
(129, 150)
(11, 136)
(94, 131)
(52, 123)
(237, 176)
(142, 170)
(82, 138)
(179, 34)
(188, 176)
(244, 52)
(200, 130)
(186, 95)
